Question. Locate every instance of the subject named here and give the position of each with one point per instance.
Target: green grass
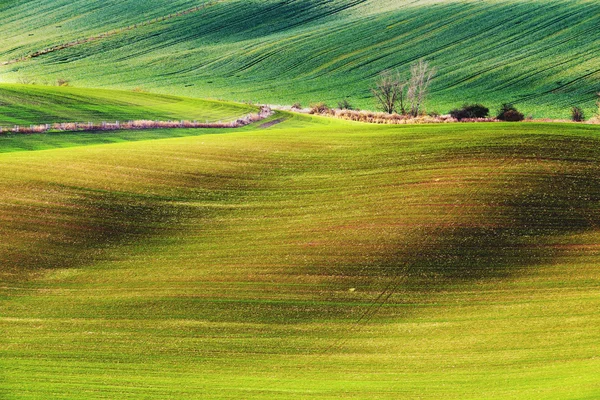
(541, 55)
(26, 104)
(314, 259)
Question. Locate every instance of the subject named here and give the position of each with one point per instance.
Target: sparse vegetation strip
(383, 118)
(264, 113)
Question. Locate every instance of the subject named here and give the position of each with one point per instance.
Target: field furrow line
(106, 35)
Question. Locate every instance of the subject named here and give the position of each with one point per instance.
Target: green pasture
(540, 55)
(312, 259)
(29, 104)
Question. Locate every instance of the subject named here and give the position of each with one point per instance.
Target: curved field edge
(32, 104)
(542, 56)
(10, 142)
(338, 260)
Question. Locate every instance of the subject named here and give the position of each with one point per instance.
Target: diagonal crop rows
(105, 35)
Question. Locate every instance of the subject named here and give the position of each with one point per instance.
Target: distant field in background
(541, 55)
(314, 259)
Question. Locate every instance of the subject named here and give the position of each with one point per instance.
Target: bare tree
(421, 75)
(389, 92)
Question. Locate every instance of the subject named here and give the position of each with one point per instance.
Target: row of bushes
(468, 112)
(507, 112)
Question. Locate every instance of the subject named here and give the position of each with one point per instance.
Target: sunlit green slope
(542, 55)
(312, 259)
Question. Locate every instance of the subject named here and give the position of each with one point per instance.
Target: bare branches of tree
(394, 94)
(421, 75)
(389, 91)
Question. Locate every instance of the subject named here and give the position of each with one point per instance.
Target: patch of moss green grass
(15, 142)
(32, 104)
(313, 259)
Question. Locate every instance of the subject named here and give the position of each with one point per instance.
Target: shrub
(577, 114)
(512, 116)
(319, 108)
(509, 113)
(296, 106)
(345, 105)
(470, 111)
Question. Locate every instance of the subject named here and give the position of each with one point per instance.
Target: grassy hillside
(27, 104)
(313, 259)
(543, 56)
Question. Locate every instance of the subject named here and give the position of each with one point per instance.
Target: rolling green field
(297, 257)
(314, 259)
(27, 104)
(541, 55)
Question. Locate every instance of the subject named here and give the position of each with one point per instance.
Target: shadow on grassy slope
(531, 209)
(518, 232)
(82, 228)
(504, 225)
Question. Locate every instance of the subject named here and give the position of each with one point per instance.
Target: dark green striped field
(313, 259)
(541, 55)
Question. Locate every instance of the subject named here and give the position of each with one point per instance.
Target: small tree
(508, 112)
(421, 74)
(577, 114)
(389, 91)
(345, 105)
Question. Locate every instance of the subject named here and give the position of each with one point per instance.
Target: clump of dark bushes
(470, 111)
(509, 113)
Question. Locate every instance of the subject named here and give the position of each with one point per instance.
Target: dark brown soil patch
(271, 123)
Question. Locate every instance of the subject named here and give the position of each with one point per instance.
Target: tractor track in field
(391, 288)
(393, 285)
(111, 33)
(446, 220)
